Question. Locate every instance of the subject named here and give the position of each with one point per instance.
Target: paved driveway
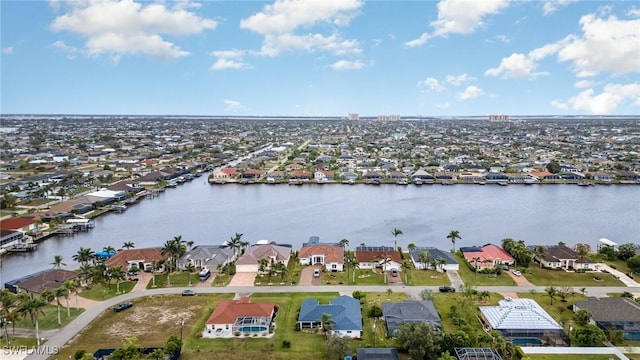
(306, 276)
(243, 279)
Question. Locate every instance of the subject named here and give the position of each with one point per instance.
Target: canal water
(211, 214)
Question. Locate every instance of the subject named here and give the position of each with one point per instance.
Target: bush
(286, 344)
(359, 295)
(375, 311)
(79, 354)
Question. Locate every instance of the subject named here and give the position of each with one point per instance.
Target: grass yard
(428, 278)
(152, 320)
(50, 318)
(362, 277)
(294, 269)
(571, 357)
(544, 277)
(221, 280)
(17, 342)
(466, 315)
(480, 279)
(379, 339)
(561, 311)
(176, 279)
(103, 291)
(619, 265)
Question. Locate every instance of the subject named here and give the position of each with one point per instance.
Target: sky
(320, 58)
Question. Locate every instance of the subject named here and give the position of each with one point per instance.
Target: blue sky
(311, 57)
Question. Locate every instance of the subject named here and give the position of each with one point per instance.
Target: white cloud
(7, 50)
(559, 105)
(459, 17)
(471, 92)
(550, 6)
(444, 105)
(432, 83)
(633, 12)
(126, 27)
(229, 59)
(608, 100)
(279, 22)
(348, 65)
(504, 38)
(458, 80)
(515, 66)
(232, 105)
(71, 51)
(583, 84)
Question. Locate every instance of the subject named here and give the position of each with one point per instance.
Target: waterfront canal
(211, 214)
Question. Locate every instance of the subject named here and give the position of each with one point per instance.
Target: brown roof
(46, 280)
(147, 255)
(332, 253)
(255, 253)
(16, 223)
(557, 253)
(228, 311)
(369, 256)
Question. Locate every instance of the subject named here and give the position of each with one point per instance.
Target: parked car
(447, 289)
(516, 272)
(394, 272)
(316, 273)
(188, 293)
(122, 306)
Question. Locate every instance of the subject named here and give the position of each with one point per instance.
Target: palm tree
(344, 243)
(118, 274)
(68, 286)
(453, 236)
(190, 268)
(552, 292)
(8, 309)
(189, 244)
(424, 258)
(175, 248)
(83, 256)
(57, 262)
(395, 232)
(406, 267)
(411, 246)
(58, 293)
(86, 272)
(441, 263)
(128, 245)
(32, 307)
(235, 243)
(540, 251)
(353, 263)
(475, 265)
(327, 323)
(109, 249)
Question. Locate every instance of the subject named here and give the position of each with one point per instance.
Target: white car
(316, 273)
(516, 272)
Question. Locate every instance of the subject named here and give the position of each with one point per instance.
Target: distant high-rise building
(388, 117)
(353, 116)
(498, 117)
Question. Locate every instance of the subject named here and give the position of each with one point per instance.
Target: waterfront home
(487, 256)
(448, 262)
(141, 259)
(604, 177)
(22, 224)
(348, 176)
(276, 175)
(613, 313)
(252, 174)
(496, 177)
(37, 283)
(300, 175)
(558, 256)
(445, 176)
(344, 311)
(330, 256)
(422, 175)
(323, 175)
(240, 317)
(523, 322)
(226, 174)
(212, 257)
(545, 175)
(625, 175)
(294, 167)
(409, 311)
(378, 257)
(272, 252)
(470, 177)
(10, 238)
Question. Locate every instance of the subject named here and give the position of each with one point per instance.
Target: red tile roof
(147, 255)
(333, 254)
(228, 311)
(369, 256)
(16, 223)
(489, 252)
(230, 171)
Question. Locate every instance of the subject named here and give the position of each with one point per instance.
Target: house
(211, 257)
(604, 177)
(410, 311)
(422, 175)
(253, 174)
(348, 175)
(22, 224)
(272, 252)
(496, 177)
(614, 313)
(558, 257)
(343, 310)
(42, 281)
(323, 175)
(377, 354)
(376, 257)
(331, 256)
(477, 354)
(448, 262)
(545, 175)
(10, 237)
(523, 322)
(142, 259)
(487, 256)
(226, 174)
(240, 317)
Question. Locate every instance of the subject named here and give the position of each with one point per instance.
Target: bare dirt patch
(138, 319)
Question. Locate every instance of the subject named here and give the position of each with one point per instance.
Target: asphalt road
(61, 337)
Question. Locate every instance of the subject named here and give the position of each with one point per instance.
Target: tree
(553, 166)
(32, 307)
(626, 251)
(83, 256)
(118, 274)
(424, 258)
(353, 263)
(475, 265)
(452, 340)
(608, 253)
(337, 346)
(583, 250)
(68, 286)
(589, 335)
(375, 311)
(235, 242)
(327, 323)
(344, 243)
(411, 246)
(9, 308)
(395, 232)
(190, 269)
(57, 262)
(128, 245)
(109, 249)
(406, 269)
(453, 236)
(58, 293)
(420, 340)
(552, 291)
(539, 252)
(582, 317)
(634, 264)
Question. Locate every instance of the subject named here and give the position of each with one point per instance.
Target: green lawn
(176, 279)
(362, 277)
(561, 311)
(17, 342)
(50, 318)
(468, 314)
(480, 279)
(428, 278)
(221, 280)
(545, 277)
(379, 339)
(294, 269)
(619, 265)
(571, 357)
(102, 291)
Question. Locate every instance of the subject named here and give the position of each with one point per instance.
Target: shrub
(375, 311)
(286, 344)
(359, 295)
(79, 354)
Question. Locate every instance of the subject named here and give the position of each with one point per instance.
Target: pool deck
(574, 350)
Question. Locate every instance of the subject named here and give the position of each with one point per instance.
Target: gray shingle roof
(433, 252)
(611, 309)
(411, 311)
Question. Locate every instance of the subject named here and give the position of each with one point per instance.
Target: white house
(250, 261)
(330, 256)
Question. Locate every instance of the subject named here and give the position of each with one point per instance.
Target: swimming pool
(527, 341)
(252, 329)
